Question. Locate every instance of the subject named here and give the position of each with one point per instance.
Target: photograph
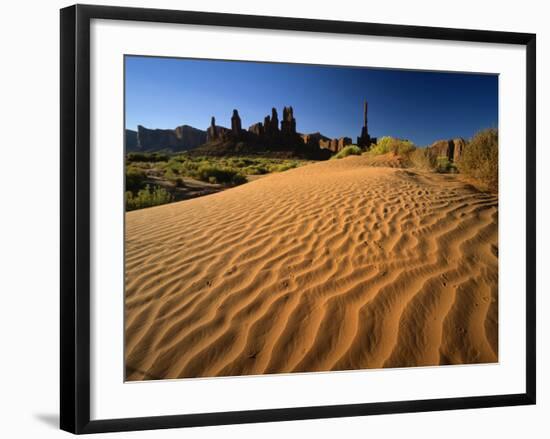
(293, 218)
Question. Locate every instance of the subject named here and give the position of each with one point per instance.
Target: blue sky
(416, 105)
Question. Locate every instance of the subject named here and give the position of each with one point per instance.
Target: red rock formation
(212, 132)
(315, 139)
(459, 145)
(257, 129)
(451, 149)
(274, 120)
(288, 123)
(236, 125)
(264, 137)
(343, 142)
(271, 124)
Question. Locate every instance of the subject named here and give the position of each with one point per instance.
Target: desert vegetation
(346, 151)
(478, 160)
(159, 178)
(147, 197)
(423, 158)
(388, 144)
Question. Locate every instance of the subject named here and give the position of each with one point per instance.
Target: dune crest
(332, 266)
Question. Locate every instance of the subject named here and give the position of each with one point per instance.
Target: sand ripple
(332, 266)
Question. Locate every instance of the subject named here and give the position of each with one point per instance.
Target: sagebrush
(346, 151)
(480, 158)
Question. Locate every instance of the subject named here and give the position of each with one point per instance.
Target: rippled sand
(333, 266)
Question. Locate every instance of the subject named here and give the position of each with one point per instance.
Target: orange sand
(332, 266)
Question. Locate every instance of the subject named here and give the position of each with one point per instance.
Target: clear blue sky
(419, 106)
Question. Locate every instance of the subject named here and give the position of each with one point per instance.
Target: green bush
(348, 150)
(221, 170)
(135, 178)
(240, 162)
(283, 167)
(147, 197)
(423, 158)
(480, 158)
(214, 174)
(391, 144)
(255, 170)
(171, 174)
(444, 165)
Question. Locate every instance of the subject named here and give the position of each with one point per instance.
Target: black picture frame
(75, 218)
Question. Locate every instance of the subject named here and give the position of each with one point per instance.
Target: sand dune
(332, 266)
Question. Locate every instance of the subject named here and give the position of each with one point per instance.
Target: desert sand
(336, 265)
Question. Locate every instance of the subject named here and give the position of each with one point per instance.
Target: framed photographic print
(268, 218)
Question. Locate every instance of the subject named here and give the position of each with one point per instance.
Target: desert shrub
(214, 174)
(255, 170)
(147, 197)
(241, 162)
(171, 174)
(135, 178)
(423, 158)
(348, 150)
(282, 167)
(146, 157)
(174, 166)
(391, 144)
(189, 167)
(444, 165)
(480, 157)
(223, 170)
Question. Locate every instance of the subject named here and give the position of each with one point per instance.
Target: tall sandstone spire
(236, 124)
(288, 123)
(212, 132)
(364, 140)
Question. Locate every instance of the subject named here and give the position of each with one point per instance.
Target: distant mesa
(131, 140)
(179, 139)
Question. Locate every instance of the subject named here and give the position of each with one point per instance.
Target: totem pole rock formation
(365, 140)
(264, 137)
